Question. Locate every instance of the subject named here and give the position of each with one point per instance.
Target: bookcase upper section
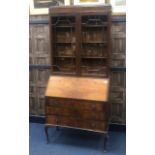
(80, 40)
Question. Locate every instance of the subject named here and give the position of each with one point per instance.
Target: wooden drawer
(74, 104)
(77, 123)
(73, 112)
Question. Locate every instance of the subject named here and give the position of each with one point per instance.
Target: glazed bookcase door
(63, 45)
(94, 45)
(80, 44)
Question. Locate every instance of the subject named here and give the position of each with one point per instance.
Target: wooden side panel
(118, 45)
(118, 79)
(42, 79)
(32, 104)
(118, 97)
(31, 53)
(38, 82)
(32, 91)
(39, 44)
(42, 76)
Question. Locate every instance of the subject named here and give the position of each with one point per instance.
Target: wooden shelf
(92, 57)
(94, 42)
(94, 26)
(68, 43)
(64, 26)
(64, 56)
(103, 67)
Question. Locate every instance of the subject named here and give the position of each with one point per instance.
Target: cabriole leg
(105, 142)
(46, 133)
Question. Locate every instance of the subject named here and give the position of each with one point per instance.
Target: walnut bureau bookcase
(80, 48)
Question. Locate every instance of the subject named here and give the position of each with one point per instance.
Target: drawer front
(75, 112)
(81, 105)
(77, 123)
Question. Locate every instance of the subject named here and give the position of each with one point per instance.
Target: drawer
(74, 104)
(73, 112)
(77, 123)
